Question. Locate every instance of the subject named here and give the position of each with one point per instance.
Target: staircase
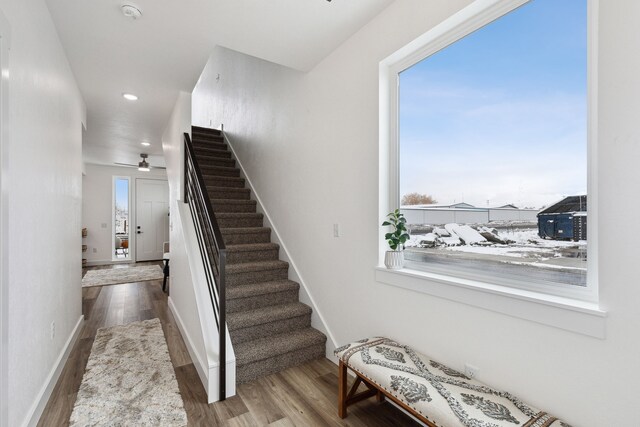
(269, 328)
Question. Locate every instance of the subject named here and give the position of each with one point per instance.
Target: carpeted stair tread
(261, 368)
(262, 288)
(231, 205)
(206, 136)
(219, 171)
(250, 247)
(213, 155)
(207, 168)
(262, 294)
(240, 215)
(208, 131)
(224, 181)
(247, 267)
(215, 162)
(203, 147)
(247, 319)
(216, 192)
(245, 235)
(265, 348)
(239, 219)
(251, 252)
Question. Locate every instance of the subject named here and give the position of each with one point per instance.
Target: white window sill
(564, 313)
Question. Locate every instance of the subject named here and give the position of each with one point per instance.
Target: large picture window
(493, 150)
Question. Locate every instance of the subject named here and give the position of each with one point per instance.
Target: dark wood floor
(301, 396)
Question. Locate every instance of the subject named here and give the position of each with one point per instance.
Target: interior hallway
(305, 395)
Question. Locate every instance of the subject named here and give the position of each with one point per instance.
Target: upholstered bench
(434, 393)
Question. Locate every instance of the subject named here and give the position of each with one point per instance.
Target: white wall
(182, 290)
(44, 191)
(309, 143)
(189, 299)
(97, 208)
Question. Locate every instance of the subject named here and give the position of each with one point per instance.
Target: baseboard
(201, 367)
(283, 246)
(38, 406)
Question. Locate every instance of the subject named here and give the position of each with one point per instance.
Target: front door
(152, 218)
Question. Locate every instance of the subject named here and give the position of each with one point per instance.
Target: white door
(152, 218)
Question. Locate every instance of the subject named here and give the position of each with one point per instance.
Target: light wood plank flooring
(301, 396)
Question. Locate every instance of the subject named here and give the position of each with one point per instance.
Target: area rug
(129, 380)
(113, 276)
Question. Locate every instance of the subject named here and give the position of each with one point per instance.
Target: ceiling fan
(142, 165)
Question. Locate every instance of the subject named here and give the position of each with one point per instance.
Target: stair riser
(246, 278)
(206, 136)
(231, 238)
(230, 194)
(251, 371)
(207, 155)
(260, 301)
(240, 222)
(220, 171)
(206, 147)
(206, 131)
(229, 208)
(210, 162)
(217, 182)
(251, 256)
(270, 329)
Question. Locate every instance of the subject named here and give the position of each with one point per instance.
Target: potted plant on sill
(394, 259)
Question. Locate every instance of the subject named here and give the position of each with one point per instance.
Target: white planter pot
(394, 260)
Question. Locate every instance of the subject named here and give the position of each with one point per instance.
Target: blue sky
(500, 115)
(122, 193)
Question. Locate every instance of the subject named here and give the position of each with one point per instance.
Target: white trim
(294, 272)
(113, 218)
(592, 149)
(564, 313)
(5, 42)
(469, 19)
(35, 412)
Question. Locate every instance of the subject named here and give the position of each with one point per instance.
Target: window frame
(466, 21)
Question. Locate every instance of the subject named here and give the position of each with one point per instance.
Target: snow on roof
(461, 205)
(567, 205)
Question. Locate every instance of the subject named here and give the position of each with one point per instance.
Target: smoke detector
(131, 11)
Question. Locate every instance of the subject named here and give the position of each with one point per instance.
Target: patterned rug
(129, 380)
(113, 276)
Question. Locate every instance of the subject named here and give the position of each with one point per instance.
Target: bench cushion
(440, 394)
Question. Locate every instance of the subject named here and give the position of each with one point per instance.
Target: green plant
(399, 235)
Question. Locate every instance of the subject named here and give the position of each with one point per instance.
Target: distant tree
(417, 199)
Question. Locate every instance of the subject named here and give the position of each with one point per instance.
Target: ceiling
(165, 50)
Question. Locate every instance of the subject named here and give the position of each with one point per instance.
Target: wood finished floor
(305, 395)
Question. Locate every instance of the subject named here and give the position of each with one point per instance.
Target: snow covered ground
(523, 247)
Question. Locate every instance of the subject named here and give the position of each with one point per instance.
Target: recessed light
(146, 144)
(130, 96)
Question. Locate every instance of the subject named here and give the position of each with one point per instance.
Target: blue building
(565, 220)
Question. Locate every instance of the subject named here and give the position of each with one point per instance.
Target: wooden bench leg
(342, 389)
(379, 397)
